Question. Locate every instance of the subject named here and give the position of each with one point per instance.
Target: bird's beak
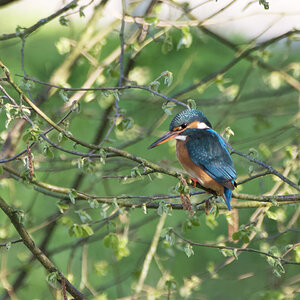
(168, 136)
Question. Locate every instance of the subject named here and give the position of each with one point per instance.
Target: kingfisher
(202, 152)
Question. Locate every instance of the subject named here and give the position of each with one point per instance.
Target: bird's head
(190, 118)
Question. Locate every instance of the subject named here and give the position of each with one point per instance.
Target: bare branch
(37, 252)
(27, 31)
(284, 261)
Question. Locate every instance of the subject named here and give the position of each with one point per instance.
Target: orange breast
(193, 169)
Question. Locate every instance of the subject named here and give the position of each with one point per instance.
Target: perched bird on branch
(202, 152)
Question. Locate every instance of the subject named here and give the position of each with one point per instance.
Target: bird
(202, 152)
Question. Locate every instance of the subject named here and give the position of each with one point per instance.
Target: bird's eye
(183, 126)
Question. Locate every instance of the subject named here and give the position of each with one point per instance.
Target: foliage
(78, 181)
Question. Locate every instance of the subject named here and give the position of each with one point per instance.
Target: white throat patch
(181, 137)
(201, 125)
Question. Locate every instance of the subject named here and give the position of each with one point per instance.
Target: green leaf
(274, 250)
(188, 249)
(72, 195)
(195, 220)
(276, 273)
(93, 203)
(87, 230)
(227, 252)
(271, 215)
(164, 208)
(64, 95)
(274, 202)
(101, 268)
(81, 12)
(83, 230)
(111, 240)
(235, 254)
(21, 215)
(228, 132)
(250, 170)
(168, 78)
(186, 225)
(153, 20)
(215, 210)
(62, 206)
(236, 236)
(66, 221)
(32, 134)
(48, 151)
(60, 137)
(192, 103)
(279, 267)
(245, 239)
(104, 209)
(170, 238)
(297, 254)
(167, 106)
(27, 84)
(154, 85)
(117, 206)
(83, 215)
(63, 46)
(165, 231)
(264, 3)
(186, 39)
(167, 45)
(52, 279)
(1, 170)
(63, 21)
(103, 155)
(253, 152)
(77, 229)
(135, 172)
(180, 187)
(125, 124)
(20, 30)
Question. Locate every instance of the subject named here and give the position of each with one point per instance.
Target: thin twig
(27, 31)
(117, 88)
(235, 249)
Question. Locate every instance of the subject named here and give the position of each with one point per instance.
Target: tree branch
(27, 31)
(284, 261)
(37, 252)
(63, 193)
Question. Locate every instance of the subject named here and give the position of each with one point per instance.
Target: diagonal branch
(27, 31)
(150, 254)
(36, 251)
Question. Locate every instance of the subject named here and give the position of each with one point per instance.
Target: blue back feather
(208, 150)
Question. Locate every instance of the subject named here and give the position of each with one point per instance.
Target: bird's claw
(194, 181)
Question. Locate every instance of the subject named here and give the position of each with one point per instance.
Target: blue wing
(208, 150)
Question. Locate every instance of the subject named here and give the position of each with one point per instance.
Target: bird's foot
(194, 181)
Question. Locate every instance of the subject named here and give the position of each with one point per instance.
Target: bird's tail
(227, 196)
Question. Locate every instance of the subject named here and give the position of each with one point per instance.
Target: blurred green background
(263, 118)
